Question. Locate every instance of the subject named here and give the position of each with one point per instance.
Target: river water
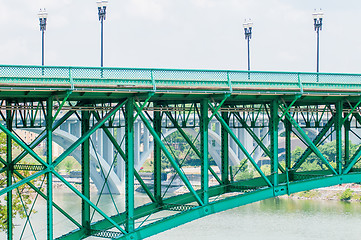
(270, 219)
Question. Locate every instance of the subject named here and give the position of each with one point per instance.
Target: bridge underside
(25, 171)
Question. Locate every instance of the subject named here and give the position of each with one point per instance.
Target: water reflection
(276, 218)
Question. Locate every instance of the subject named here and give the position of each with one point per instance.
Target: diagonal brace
(233, 136)
(169, 156)
(88, 134)
(308, 140)
(181, 131)
(122, 154)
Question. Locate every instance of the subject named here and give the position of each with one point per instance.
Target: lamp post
(247, 25)
(102, 6)
(317, 20)
(43, 15)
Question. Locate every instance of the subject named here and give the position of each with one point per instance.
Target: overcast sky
(197, 34)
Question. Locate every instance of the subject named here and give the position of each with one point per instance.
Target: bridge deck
(175, 84)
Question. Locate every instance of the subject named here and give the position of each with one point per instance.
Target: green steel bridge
(161, 99)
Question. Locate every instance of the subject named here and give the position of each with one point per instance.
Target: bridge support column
(129, 167)
(274, 142)
(49, 158)
(204, 150)
(347, 126)
(85, 173)
(338, 129)
(9, 207)
(288, 129)
(224, 152)
(157, 123)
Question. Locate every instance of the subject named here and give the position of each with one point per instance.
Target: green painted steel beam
(225, 151)
(240, 145)
(88, 134)
(316, 141)
(71, 187)
(144, 211)
(129, 167)
(22, 144)
(254, 137)
(236, 201)
(274, 121)
(85, 172)
(42, 136)
(157, 161)
(9, 175)
(169, 156)
(23, 181)
(49, 160)
(204, 121)
(308, 140)
(347, 127)
(38, 191)
(190, 143)
(338, 129)
(122, 154)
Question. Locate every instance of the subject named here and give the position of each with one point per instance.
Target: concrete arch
(65, 140)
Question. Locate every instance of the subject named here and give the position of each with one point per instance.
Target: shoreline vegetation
(343, 192)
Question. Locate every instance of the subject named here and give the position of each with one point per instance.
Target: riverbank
(342, 192)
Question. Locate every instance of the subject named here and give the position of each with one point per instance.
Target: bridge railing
(89, 77)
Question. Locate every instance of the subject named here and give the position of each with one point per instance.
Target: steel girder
(163, 212)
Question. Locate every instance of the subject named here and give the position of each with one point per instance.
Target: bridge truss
(162, 99)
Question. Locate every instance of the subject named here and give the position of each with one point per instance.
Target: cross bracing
(269, 107)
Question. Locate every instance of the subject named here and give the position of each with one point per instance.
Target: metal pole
(42, 48)
(249, 61)
(318, 48)
(101, 42)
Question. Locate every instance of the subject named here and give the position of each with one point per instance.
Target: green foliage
(309, 194)
(20, 205)
(67, 165)
(244, 172)
(346, 195)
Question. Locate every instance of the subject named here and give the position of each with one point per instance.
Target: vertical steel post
(347, 127)
(224, 151)
(338, 129)
(288, 128)
(157, 123)
(49, 158)
(9, 175)
(274, 141)
(129, 167)
(85, 166)
(204, 150)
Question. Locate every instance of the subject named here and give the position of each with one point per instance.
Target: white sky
(198, 34)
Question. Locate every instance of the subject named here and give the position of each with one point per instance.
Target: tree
(21, 195)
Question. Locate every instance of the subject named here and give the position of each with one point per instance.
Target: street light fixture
(247, 25)
(102, 6)
(43, 15)
(317, 19)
